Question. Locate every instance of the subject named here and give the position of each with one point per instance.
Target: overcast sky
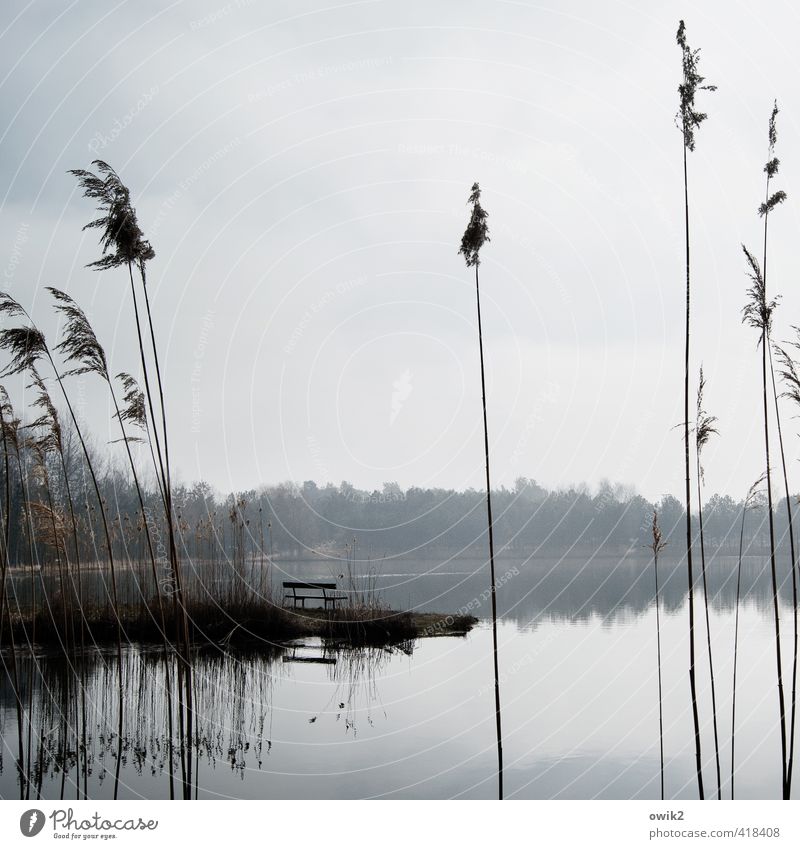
(302, 170)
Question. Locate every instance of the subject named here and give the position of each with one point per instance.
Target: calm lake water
(579, 693)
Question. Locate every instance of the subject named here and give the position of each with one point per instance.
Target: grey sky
(302, 171)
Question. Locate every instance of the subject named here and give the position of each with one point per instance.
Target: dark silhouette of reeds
(26, 345)
(689, 119)
(791, 379)
(474, 238)
(49, 418)
(8, 428)
(704, 428)
(794, 569)
(123, 244)
(757, 313)
(84, 353)
(46, 441)
(657, 545)
(771, 201)
(15, 440)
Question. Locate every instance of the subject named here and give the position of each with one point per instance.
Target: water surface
(578, 685)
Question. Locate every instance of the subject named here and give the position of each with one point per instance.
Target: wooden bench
(300, 591)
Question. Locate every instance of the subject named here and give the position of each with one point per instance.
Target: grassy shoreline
(232, 627)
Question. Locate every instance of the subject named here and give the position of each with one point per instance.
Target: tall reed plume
(82, 350)
(772, 199)
(123, 244)
(475, 237)
(26, 345)
(757, 313)
(689, 120)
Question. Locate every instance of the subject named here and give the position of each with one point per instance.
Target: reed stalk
(688, 120)
(474, 238)
(124, 244)
(749, 503)
(704, 428)
(757, 313)
(657, 545)
(771, 201)
(26, 346)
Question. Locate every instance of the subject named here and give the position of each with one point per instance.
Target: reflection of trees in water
(233, 698)
(621, 590)
(573, 589)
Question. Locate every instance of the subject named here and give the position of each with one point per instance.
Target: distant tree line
(308, 519)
